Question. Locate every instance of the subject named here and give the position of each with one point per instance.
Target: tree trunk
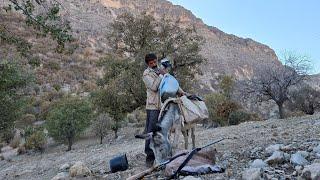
(310, 109)
(101, 137)
(281, 110)
(69, 144)
(116, 134)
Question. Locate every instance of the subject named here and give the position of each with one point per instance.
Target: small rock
(9, 154)
(64, 167)
(79, 169)
(272, 148)
(316, 149)
(258, 163)
(276, 158)
(298, 169)
(252, 174)
(305, 154)
(286, 157)
(191, 178)
(278, 171)
(6, 148)
(286, 148)
(311, 171)
(298, 159)
(286, 166)
(316, 161)
(61, 176)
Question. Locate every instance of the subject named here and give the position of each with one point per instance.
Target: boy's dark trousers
(152, 118)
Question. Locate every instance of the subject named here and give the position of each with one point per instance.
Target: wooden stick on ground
(143, 173)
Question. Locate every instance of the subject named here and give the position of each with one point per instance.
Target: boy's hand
(160, 72)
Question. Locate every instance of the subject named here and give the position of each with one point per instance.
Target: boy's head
(151, 60)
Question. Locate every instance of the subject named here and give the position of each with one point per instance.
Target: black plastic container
(119, 163)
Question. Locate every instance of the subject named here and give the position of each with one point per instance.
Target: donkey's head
(160, 145)
(159, 138)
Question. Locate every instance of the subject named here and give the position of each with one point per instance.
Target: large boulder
(311, 171)
(64, 167)
(6, 148)
(191, 178)
(8, 153)
(272, 148)
(258, 163)
(79, 169)
(61, 176)
(276, 158)
(252, 174)
(298, 159)
(316, 149)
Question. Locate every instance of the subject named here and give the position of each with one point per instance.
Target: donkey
(159, 139)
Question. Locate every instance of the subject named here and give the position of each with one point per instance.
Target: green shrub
(34, 61)
(7, 135)
(53, 66)
(68, 119)
(13, 79)
(28, 131)
(237, 117)
(305, 99)
(21, 150)
(220, 107)
(57, 87)
(226, 85)
(15, 143)
(37, 141)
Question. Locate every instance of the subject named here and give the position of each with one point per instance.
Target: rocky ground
(272, 149)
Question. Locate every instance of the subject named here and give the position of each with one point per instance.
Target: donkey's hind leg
(193, 137)
(185, 135)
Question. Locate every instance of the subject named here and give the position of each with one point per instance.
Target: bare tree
(101, 126)
(273, 81)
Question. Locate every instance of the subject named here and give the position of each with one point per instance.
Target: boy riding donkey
(152, 77)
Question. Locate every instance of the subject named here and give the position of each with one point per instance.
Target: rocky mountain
(90, 19)
(225, 53)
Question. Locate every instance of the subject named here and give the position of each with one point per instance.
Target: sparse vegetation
(114, 102)
(220, 108)
(305, 99)
(101, 126)
(237, 117)
(13, 78)
(47, 21)
(137, 35)
(36, 141)
(68, 118)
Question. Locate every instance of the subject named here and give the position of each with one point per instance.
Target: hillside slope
(225, 53)
(243, 144)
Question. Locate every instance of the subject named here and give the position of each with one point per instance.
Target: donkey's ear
(143, 136)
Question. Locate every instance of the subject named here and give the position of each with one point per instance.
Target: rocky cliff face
(225, 53)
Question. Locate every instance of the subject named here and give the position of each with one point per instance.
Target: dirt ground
(234, 153)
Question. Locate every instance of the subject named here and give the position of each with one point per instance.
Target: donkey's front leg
(193, 137)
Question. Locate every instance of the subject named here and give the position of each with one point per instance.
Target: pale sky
(292, 25)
